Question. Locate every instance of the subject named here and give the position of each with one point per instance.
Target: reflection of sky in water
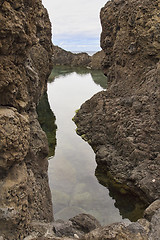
(74, 187)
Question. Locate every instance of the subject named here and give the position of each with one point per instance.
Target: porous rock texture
(144, 229)
(85, 227)
(122, 123)
(25, 64)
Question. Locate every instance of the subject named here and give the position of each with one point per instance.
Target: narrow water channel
(74, 187)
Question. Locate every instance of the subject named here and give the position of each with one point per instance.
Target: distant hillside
(63, 57)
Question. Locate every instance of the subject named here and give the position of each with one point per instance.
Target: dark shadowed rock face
(25, 64)
(122, 124)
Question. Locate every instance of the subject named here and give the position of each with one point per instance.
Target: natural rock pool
(74, 186)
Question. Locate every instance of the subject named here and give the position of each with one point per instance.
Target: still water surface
(74, 187)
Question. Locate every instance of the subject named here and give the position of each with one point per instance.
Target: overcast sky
(75, 24)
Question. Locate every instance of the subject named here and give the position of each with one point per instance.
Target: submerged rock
(140, 230)
(86, 227)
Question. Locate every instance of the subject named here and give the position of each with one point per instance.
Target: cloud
(72, 19)
(77, 42)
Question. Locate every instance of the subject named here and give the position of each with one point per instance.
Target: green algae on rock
(47, 120)
(128, 203)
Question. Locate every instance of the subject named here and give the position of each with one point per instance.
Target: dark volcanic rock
(155, 226)
(25, 64)
(63, 57)
(118, 231)
(84, 223)
(122, 124)
(85, 227)
(76, 226)
(140, 230)
(151, 210)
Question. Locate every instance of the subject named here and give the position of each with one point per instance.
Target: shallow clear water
(74, 187)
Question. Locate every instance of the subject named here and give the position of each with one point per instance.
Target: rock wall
(122, 123)
(25, 64)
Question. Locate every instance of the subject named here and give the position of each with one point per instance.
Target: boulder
(76, 226)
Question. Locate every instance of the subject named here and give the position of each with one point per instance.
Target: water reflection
(99, 78)
(62, 71)
(47, 119)
(74, 186)
(129, 205)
